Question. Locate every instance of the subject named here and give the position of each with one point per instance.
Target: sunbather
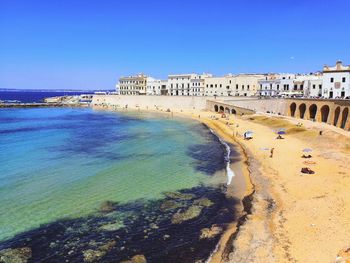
(306, 170)
(306, 156)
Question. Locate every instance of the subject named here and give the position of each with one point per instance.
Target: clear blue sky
(89, 44)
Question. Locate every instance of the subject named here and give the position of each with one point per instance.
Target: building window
(344, 79)
(313, 86)
(236, 86)
(332, 80)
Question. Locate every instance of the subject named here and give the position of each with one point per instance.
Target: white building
(156, 87)
(186, 84)
(314, 88)
(336, 81)
(153, 86)
(290, 85)
(198, 84)
(312, 85)
(179, 85)
(269, 86)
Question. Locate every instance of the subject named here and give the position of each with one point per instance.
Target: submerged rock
(203, 202)
(190, 213)
(153, 226)
(94, 255)
(136, 259)
(180, 196)
(169, 205)
(107, 206)
(207, 233)
(15, 255)
(108, 246)
(91, 255)
(112, 226)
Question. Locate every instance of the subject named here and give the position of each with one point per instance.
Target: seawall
(178, 102)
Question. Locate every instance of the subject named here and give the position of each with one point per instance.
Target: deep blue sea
(79, 185)
(34, 96)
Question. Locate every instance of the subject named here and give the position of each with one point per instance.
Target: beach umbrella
(307, 150)
(281, 132)
(248, 134)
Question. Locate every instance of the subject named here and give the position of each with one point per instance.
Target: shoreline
(244, 195)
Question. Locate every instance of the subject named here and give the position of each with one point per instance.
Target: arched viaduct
(227, 108)
(333, 112)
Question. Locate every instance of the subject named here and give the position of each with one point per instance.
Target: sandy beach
(294, 217)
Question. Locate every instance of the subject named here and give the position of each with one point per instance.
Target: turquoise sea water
(62, 163)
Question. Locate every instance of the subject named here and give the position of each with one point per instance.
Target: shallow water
(59, 165)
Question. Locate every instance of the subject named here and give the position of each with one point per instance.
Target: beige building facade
(133, 85)
(246, 85)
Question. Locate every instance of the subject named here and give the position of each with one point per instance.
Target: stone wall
(333, 112)
(179, 102)
(277, 106)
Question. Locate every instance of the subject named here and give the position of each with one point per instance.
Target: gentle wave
(229, 172)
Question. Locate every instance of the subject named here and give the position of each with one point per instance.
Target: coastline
(290, 211)
(283, 211)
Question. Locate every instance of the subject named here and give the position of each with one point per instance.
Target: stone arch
(302, 110)
(292, 109)
(227, 110)
(233, 111)
(216, 108)
(336, 116)
(324, 113)
(221, 109)
(313, 111)
(344, 117)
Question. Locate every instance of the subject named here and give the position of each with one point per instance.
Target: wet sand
(295, 217)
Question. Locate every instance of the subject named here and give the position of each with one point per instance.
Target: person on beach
(271, 152)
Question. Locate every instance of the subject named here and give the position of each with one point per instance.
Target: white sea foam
(229, 172)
